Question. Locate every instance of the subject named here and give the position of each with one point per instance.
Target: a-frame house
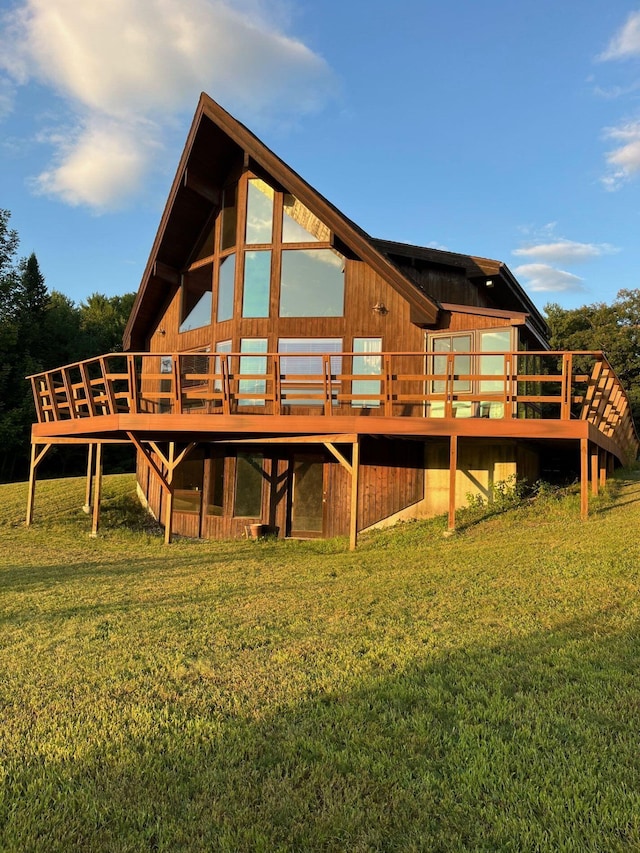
(285, 369)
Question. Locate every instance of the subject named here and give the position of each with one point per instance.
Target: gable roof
(214, 142)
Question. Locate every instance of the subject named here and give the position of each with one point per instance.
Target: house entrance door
(306, 504)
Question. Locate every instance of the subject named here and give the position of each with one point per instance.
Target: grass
(477, 692)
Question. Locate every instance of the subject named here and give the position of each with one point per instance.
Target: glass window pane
(196, 298)
(257, 275)
(312, 283)
(215, 504)
(259, 212)
(310, 365)
(187, 483)
(299, 225)
(248, 500)
(253, 364)
(226, 287)
(368, 364)
(229, 218)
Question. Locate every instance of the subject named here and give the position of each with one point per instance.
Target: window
(187, 483)
(367, 364)
(495, 340)
(194, 374)
(248, 499)
(300, 387)
(299, 225)
(259, 212)
(215, 502)
(252, 364)
(196, 298)
(226, 281)
(257, 277)
(312, 283)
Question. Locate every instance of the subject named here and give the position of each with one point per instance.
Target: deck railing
(499, 385)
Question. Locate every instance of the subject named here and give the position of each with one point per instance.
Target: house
(283, 368)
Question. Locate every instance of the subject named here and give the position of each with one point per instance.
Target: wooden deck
(519, 395)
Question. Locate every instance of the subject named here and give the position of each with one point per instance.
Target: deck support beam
(355, 478)
(170, 461)
(97, 490)
(36, 459)
(584, 478)
(453, 468)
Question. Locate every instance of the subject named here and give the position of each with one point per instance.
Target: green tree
(613, 328)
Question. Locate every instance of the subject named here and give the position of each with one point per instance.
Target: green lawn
(479, 692)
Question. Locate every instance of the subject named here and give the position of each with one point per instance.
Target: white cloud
(127, 62)
(626, 42)
(565, 251)
(544, 277)
(624, 160)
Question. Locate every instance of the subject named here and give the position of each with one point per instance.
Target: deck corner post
(584, 478)
(168, 512)
(453, 467)
(88, 492)
(355, 478)
(97, 490)
(36, 459)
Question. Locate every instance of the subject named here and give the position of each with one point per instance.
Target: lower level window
(248, 498)
(187, 483)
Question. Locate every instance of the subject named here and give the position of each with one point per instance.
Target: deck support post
(97, 490)
(603, 462)
(355, 477)
(584, 478)
(36, 459)
(453, 467)
(168, 512)
(595, 469)
(89, 486)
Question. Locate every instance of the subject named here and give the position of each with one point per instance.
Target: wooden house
(282, 368)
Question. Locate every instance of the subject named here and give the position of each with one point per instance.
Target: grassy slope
(478, 692)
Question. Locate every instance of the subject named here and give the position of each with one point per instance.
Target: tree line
(40, 330)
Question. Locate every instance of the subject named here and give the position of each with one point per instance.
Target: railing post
(565, 405)
(388, 390)
(108, 389)
(448, 404)
(508, 386)
(226, 384)
(277, 386)
(326, 376)
(177, 384)
(88, 390)
(133, 384)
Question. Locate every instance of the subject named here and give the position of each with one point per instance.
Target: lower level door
(307, 497)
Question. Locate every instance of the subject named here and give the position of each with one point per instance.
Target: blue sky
(504, 129)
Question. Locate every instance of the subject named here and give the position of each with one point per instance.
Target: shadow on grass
(529, 745)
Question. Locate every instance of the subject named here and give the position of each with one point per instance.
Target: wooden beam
(584, 478)
(166, 273)
(602, 457)
(203, 189)
(168, 512)
(36, 459)
(334, 438)
(595, 472)
(453, 467)
(89, 486)
(355, 478)
(97, 491)
(341, 459)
